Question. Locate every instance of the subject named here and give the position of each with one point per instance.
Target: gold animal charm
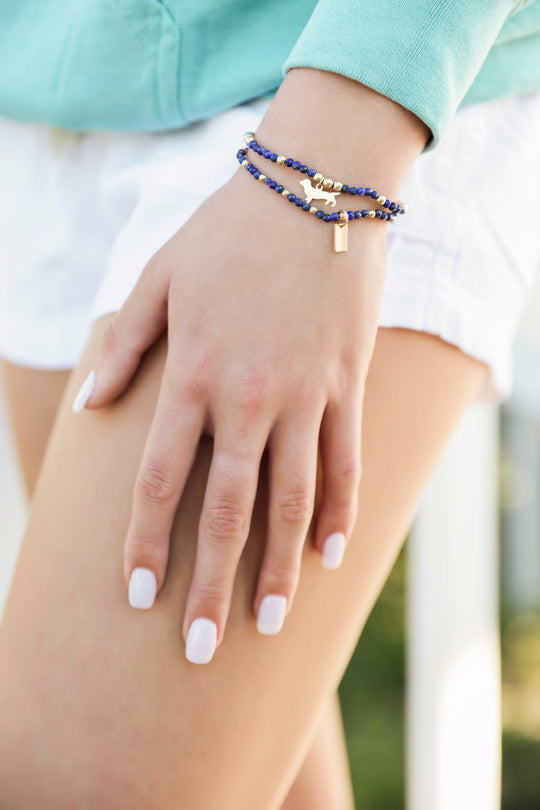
(318, 193)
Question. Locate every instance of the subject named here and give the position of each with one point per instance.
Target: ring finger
(292, 480)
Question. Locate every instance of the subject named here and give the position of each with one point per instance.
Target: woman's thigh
(100, 707)
(33, 396)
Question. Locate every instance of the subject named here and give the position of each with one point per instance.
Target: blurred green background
(372, 699)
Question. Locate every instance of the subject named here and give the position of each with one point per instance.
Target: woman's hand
(270, 335)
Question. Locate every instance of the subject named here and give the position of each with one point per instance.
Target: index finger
(167, 459)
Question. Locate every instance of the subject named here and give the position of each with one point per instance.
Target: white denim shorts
(81, 214)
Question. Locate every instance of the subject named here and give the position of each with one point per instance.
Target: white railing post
(453, 654)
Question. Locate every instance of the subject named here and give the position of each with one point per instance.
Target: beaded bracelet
(320, 180)
(341, 218)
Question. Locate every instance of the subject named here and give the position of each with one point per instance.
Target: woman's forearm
(342, 128)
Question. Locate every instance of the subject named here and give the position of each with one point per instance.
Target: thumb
(139, 322)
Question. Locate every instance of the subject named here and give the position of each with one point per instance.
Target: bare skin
(34, 397)
(270, 336)
(100, 708)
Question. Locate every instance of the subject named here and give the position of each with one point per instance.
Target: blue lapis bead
(303, 169)
(253, 144)
(249, 166)
(326, 217)
(256, 174)
(375, 194)
(352, 190)
(378, 214)
(289, 162)
(272, 183)
(260, 150)
(364, 212)
(296, 164)
(334, 217)
(306, 207)
(386, 203)
(360, 190)
(358, 215)
(268, 181)
(291, 197)
(320, 214)
(273, 157)
(279, 189)
(299, 201)
(345, 188)
(266, 153)
(311, 173)
(392, 206)
(367, 192)
(350, 214)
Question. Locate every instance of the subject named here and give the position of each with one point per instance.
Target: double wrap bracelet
(325, 189)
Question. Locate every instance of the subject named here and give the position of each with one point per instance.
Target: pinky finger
(340, 445)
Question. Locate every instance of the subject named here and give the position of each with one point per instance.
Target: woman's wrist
(344, 129)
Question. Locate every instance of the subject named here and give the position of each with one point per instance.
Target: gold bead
(337, 186)
(392, 219)
(248, 136)
(285, 192)
(313, 210)
(343, 216)
(245, 162)
(262, 178)
(381, 200)
(281, 159)
(327, 182)
(371, 214)
(318, 177)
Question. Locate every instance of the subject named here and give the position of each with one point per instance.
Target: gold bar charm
(340, 237)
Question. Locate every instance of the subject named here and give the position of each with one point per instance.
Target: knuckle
(284, 572)
(307, 388)
(348, 381)
(192, 382)
(108, 340)
(346, 511)
(225, 521)
(212, 593)
(155, 484)
(349, 472)
(252, 392)
(143, 548)
(295, 507)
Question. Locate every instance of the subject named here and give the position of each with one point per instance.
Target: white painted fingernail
(201, 641)
(333, 550)
(84, 392)
(271, 614)
(142, 588)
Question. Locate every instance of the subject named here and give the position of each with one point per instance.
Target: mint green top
(161, 64)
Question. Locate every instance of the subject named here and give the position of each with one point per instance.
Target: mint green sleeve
(424, 54)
